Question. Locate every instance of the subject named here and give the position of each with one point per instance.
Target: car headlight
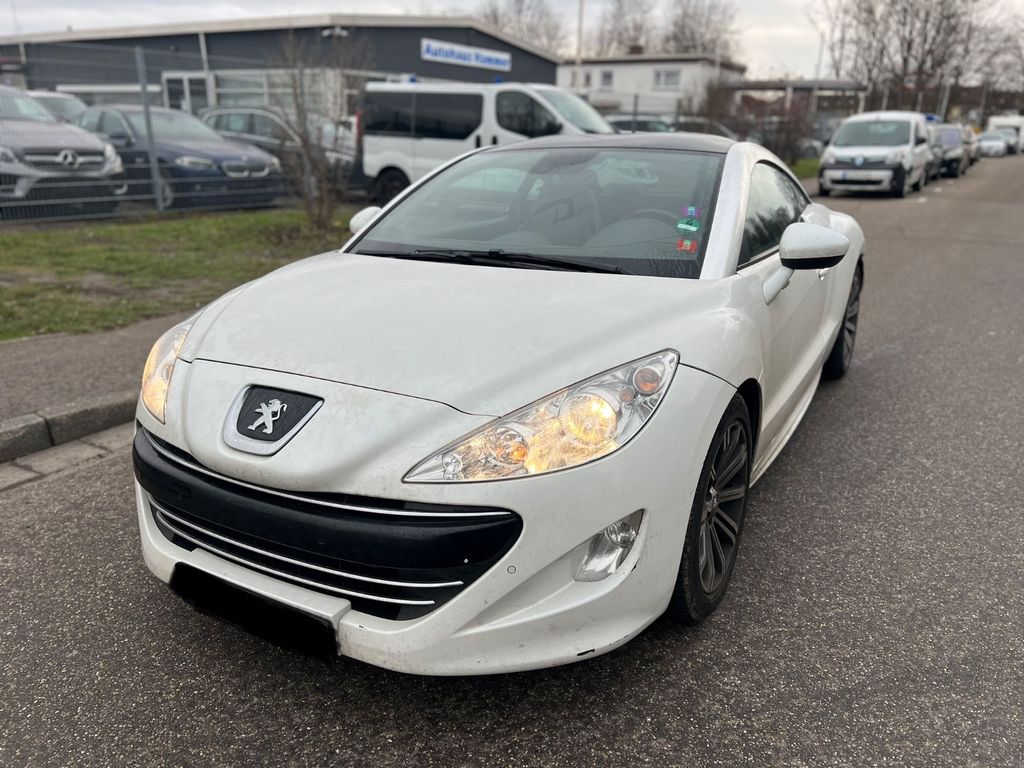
(828, 158)
(573, 426)
(275, 165)
(109, 153)
(195, 163)
(896, 157)
(156, 377)
(7, 155)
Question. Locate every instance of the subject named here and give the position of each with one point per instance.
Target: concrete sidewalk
(59, 387)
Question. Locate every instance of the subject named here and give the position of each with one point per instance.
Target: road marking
(922, 200)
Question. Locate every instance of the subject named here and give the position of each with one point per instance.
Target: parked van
(886, 151)
(409, 129)
(1015, 122)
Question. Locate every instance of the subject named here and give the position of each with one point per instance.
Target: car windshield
(950, 137)
(993, 136)
(873, 133)
(574, 109)
(641, 211)
(169, 125)
(63, 106)
(14, 106)
(1008, 131)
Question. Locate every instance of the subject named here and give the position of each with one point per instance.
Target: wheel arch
(750, 391)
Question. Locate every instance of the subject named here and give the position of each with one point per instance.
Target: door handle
(478, 142)
(823, 273)
(494, 139)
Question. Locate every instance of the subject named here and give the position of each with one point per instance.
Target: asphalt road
(875, 618)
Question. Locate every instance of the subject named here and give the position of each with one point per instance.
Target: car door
(791, 321)
(444, 126)
(518, 117)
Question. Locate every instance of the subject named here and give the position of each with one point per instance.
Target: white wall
(639, 78)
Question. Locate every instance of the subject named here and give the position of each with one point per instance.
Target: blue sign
(464, 56)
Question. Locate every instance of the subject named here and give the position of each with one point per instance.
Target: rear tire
(899, 184)
(389, 184)
(716, 519)
(840, 358)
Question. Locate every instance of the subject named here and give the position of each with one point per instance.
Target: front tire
(840, 358)
(716, 519)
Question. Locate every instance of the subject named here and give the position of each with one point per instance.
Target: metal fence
(93, 131)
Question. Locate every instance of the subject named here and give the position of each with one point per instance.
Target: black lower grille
(391, 559)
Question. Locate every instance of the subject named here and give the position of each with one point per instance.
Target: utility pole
(579, 49)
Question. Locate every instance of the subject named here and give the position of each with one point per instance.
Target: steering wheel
(654, 213)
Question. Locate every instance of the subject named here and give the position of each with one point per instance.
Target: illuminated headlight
(573, 426)
(7, 155)
(896, 157)
(195, 163)
(156, 377)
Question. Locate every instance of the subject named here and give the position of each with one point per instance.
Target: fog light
(609, 548)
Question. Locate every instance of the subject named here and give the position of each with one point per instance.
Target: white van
(409, 129)
(1016, 122)
(885, 151)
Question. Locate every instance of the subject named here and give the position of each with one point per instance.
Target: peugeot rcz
(515, 418)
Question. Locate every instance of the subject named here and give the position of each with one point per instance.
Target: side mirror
(809, 246)
(920, 140)
(359, 221)
(119, 139)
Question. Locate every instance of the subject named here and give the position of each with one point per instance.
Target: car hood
(483, 340)
(868, 152)
(211, 149)
(19, 134)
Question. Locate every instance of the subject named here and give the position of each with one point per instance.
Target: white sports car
(515, 418)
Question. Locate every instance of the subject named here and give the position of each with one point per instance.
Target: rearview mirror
(359, 221)
(119, 139)
(809, 246)
(920, 140)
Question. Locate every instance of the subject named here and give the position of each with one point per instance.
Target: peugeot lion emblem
(858, 161)
(262, 420)
(269, 413)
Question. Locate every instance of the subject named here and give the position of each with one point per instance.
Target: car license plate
(856, 175)
(279, 623)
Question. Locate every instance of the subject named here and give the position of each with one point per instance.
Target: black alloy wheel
(841, 357)
(716, 519)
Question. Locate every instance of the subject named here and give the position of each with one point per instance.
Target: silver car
(49, 167)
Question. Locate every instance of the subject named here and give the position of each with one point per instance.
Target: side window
(773, 205)
(519, 113)
(388, 114)
(447, 115)
(112, 125)
(90, 120)
(267, 127)
(233, 122)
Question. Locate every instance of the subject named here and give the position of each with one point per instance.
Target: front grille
(53, 159)
(245, 169)
(867, 165)
(392, 559)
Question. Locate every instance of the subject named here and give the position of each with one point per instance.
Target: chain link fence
(95, 131)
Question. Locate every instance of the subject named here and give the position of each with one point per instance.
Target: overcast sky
(775, 37)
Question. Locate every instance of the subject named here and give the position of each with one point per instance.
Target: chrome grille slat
(282, 574)
(266, 553)
(196, 467)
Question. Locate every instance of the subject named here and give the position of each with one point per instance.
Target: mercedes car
(515, 418)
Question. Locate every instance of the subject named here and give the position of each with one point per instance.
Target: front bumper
(23, 183)
(522, 608)
(847, 177)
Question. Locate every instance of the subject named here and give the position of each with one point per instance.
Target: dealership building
(253, 61)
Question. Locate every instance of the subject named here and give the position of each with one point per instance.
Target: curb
(52, 426)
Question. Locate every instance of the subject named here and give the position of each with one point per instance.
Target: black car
(196, 166)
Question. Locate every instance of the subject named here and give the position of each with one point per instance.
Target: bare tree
(319, 74)
(624, 25)
(532, 20)
(700, 26)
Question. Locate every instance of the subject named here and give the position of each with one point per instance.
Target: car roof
(891, 114)
(682, 141)
(44, 92)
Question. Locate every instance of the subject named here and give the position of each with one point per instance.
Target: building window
(666, 78)
(606, 79)
(586, 79)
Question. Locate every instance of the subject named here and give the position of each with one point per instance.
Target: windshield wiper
(498, 256)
